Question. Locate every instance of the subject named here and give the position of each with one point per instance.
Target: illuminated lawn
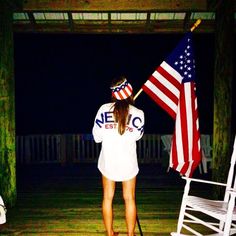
(67, 201)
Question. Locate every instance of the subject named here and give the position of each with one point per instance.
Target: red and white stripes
(122, 91)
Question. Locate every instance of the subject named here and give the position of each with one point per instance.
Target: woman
(118, 125)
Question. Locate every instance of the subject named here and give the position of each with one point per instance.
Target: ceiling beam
(31, 18)
(186, 24)
(118, 5)
(174, 26)
(70, 21)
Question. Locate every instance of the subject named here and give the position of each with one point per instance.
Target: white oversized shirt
(118, 157)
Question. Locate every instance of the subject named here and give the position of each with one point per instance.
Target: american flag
(172, 86)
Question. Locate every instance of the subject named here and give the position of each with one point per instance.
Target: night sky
(62, 79)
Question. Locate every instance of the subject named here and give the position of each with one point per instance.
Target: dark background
(62, 79)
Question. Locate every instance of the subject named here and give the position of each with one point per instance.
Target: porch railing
(74, 148)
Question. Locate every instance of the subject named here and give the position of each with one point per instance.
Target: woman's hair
(121, 107)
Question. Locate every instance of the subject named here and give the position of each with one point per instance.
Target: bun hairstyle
(122, 96)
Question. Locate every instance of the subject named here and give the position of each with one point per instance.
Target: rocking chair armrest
(203, 181)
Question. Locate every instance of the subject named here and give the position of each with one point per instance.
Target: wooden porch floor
(66, 200)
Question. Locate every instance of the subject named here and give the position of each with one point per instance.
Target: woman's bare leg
(107, 211)
(130, 204)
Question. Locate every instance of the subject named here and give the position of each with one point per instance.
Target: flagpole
(137, 94)
(195, 25)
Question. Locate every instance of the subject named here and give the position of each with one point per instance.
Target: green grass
(64, 202)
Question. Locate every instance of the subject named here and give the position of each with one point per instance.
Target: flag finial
(196, 25)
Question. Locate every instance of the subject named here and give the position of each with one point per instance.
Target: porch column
(7, 107)
(224, 38)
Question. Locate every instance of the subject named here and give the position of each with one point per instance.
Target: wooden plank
(173, 26)
(119, 5)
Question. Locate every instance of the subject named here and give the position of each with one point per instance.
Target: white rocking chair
(222, 213)
(166, 140)
(206, 151)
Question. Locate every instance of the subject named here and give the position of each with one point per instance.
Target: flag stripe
(162, 100)
(186, 126)
(171, 74)
(159, 80)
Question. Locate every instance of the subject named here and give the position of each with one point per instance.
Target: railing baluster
(77, 148)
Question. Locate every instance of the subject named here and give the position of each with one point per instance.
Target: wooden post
(7, 108)
(224, 35)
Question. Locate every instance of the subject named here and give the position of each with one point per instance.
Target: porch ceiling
(110, 16)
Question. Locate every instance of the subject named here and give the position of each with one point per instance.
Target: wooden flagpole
(137, 94)
(195, 25)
